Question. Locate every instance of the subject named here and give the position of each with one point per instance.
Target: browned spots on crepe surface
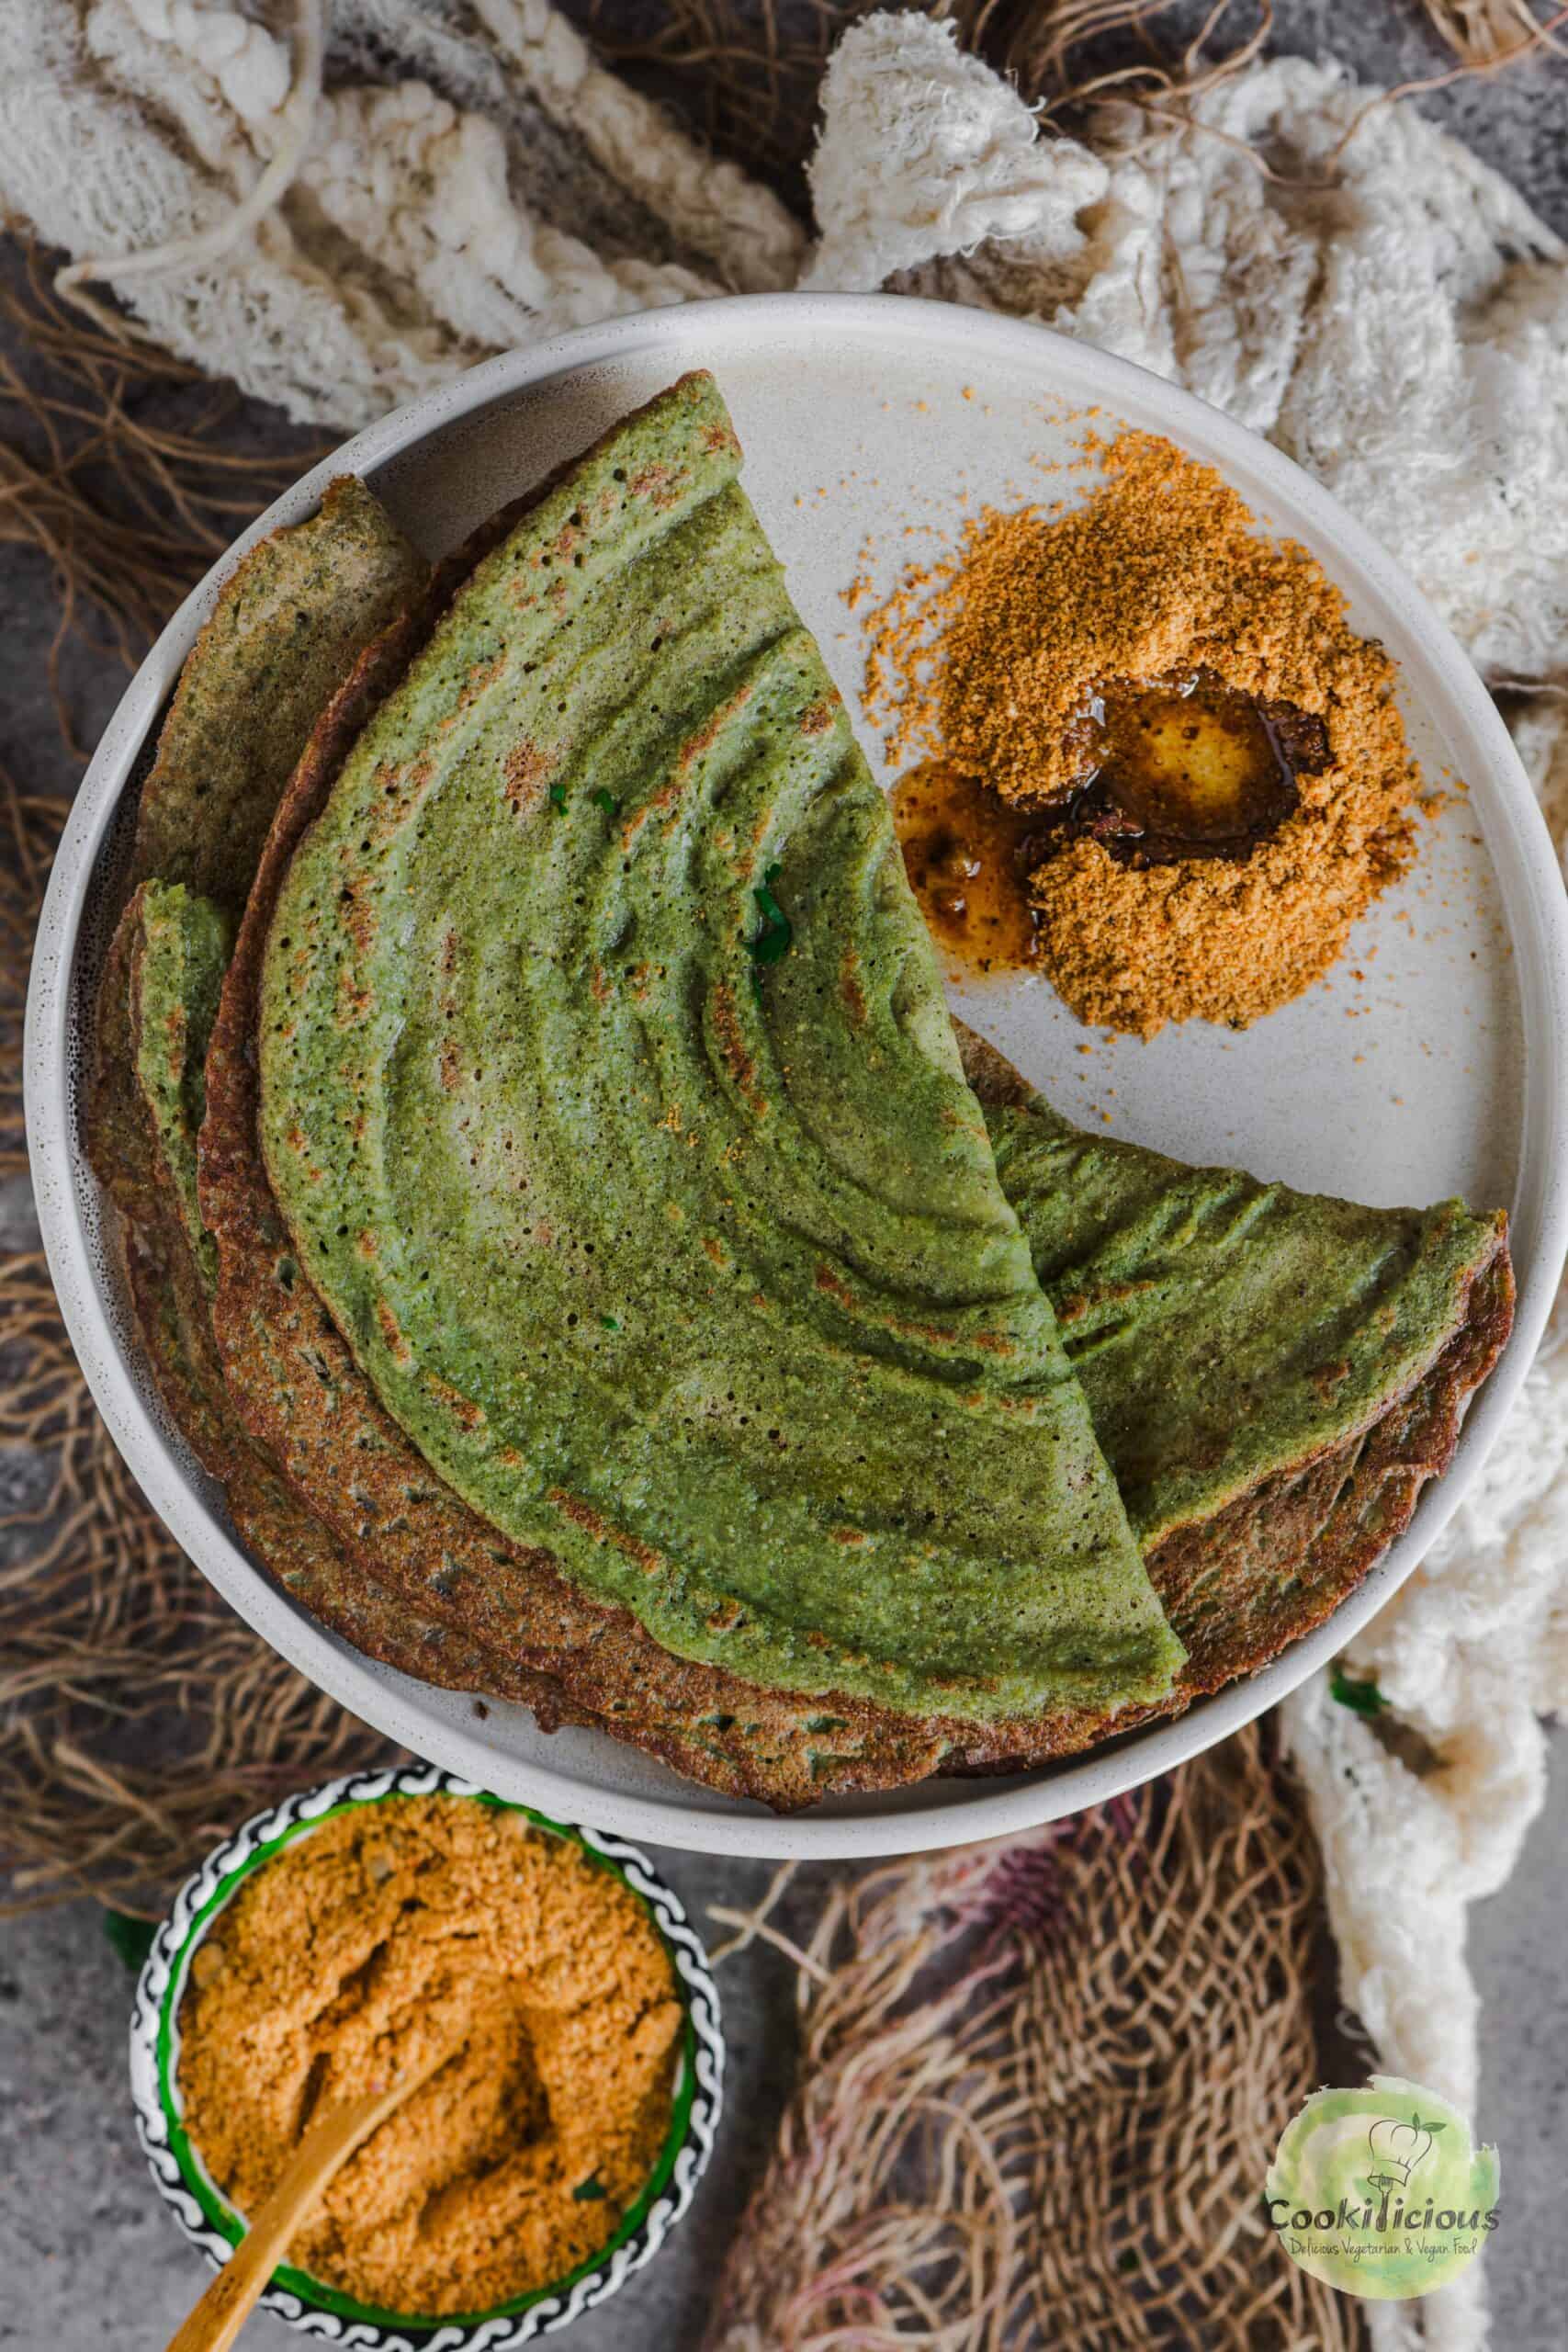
(386, 1323)
(850, 987)
(732, 1046)
(593, 1523)
(526, 771)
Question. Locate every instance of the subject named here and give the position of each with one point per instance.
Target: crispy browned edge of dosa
(163, 1286)
(1238, 1587)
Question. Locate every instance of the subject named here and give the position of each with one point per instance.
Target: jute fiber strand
(128, 511)
(140, 1718)
(1040, 2083)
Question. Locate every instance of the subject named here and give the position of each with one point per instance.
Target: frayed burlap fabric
(1039, 2087)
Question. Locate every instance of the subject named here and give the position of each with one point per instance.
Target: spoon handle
(233, 2293)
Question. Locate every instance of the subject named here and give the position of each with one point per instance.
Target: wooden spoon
(326, 2147)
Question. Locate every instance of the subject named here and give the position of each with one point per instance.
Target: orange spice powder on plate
(345, 1956)
(1027, 658)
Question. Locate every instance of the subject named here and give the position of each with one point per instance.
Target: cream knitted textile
(472, 180)
(1378, 303)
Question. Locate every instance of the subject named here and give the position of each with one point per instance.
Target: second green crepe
(611, 1100)
(1225, 1329)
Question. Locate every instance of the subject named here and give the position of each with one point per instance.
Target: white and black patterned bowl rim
(174, 2166)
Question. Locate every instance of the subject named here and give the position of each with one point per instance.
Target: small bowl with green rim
(210, 2223)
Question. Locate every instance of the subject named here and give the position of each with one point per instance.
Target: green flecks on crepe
(516, 1078)
(1224, 1329)
(289, 623)
(179, 952)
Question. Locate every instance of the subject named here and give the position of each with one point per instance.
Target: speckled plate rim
(1440, 676)
(211, 2223)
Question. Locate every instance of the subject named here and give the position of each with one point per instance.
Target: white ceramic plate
(873, 425)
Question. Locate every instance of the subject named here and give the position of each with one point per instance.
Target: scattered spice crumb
(990, 660)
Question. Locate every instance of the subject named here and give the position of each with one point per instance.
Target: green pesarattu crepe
(178, 947)
(1247, 1545)
(284, 630)
(1273, 1374)
(292, 619)
(660, 1221)
(1220, 1326)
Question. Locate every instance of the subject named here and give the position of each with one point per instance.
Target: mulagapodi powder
(348, 1955)
(1203, 765)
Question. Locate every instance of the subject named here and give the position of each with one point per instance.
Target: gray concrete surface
(87, 2253)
